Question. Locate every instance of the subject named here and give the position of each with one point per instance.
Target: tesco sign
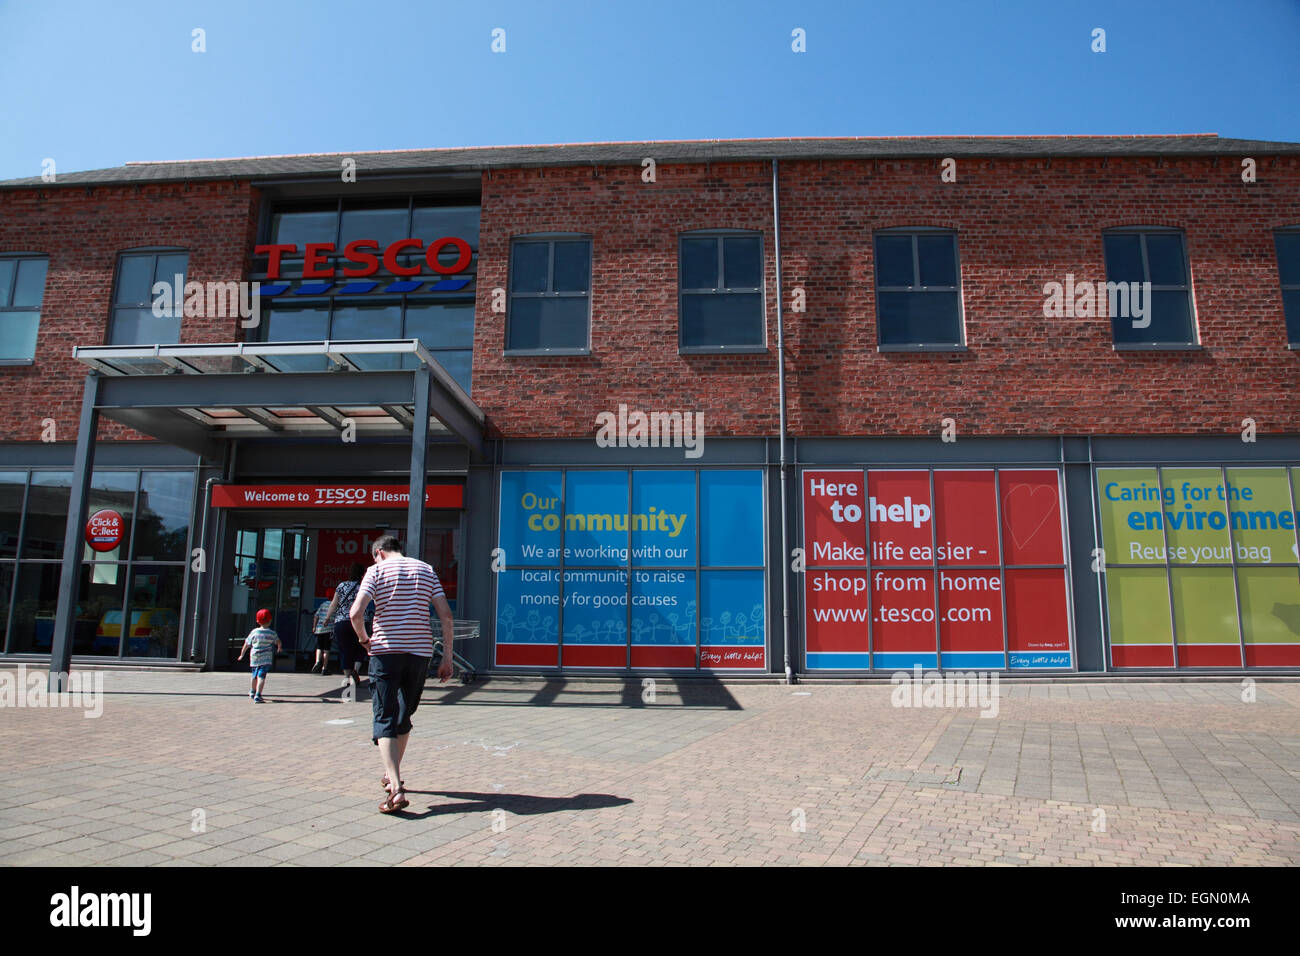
(104, 530)
(365, 256)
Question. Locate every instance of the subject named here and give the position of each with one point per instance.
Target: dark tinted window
(721, 298)
(1138, 256)
(917, 297)
(1288, 270)
(135, 320)
(550, 284)
(22, 289)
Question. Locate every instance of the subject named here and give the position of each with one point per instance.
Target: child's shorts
(260, 672)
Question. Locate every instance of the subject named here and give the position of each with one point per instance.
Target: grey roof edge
(479, 158)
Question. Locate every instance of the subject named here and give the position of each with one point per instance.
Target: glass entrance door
(269, 571)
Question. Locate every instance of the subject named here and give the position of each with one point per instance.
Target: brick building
(836, 406)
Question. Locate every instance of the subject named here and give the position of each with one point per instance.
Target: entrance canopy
(199, 397)
(195, 396)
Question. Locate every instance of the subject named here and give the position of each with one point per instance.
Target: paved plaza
(183, 769)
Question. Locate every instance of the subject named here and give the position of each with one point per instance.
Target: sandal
(384, 781)
(394, 802)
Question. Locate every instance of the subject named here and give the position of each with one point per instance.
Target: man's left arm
(443, 610)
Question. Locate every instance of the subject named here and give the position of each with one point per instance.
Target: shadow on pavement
(706, 691)
(521, 804)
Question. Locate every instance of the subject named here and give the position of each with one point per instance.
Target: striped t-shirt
(403, 589)
(261, 641)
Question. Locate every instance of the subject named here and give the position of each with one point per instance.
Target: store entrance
(269, 572)
(292, 568)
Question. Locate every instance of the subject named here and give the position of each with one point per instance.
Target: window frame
(1284, 287)
(1142, 232)
(8, 307)
(550, 238)
(915, 232)
(719, 235)
(113, 305)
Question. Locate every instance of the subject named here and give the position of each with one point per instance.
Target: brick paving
(184, 770)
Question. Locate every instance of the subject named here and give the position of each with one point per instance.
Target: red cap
(264, 617)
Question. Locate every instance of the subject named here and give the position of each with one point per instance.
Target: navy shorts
(260, 671)
(396, 683)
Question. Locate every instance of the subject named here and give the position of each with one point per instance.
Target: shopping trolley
(461, 631)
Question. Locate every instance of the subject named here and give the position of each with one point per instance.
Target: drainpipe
(780, 379)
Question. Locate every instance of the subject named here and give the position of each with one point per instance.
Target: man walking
(400, 650)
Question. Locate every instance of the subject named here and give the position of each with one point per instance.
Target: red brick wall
(634, 357)
(1020, 224)
(82, 231)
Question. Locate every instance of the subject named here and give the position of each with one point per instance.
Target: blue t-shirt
(262, 641)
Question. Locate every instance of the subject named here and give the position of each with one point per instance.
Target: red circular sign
(104, 530)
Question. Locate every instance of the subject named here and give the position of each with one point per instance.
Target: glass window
(22, 288)
(434, 222)
(385, 226)
(155, 610)
(459, 365)
(35, 599)
(309, 324)
(550, 281)
(135, 319)
(47, 514)
(1287, 243)
(112, 491)
(99, 610)
(12, 486)
(369, 322)
(721, 291)
(162, 529)
(300, 228)
(6, 588)
(1155, 314)
(439, 326)
(918, 300)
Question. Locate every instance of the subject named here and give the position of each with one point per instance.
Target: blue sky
(94, 84)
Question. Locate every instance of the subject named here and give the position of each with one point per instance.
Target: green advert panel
(1270, 605)
(1197, 521)
(1131, 515)
(1263, 522)
(1137, 600)
(1205, 617)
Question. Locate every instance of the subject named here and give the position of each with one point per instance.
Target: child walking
(264, 642)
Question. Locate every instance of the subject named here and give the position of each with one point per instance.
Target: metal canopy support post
(65, 614)
(419, 457)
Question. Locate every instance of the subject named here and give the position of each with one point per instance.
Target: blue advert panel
(642, 568)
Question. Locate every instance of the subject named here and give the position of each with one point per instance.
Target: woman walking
(350, 651)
